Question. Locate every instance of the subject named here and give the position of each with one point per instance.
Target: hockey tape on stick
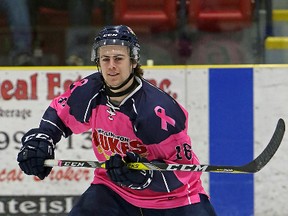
(252, 167)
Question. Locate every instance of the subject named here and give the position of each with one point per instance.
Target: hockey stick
(251, 167)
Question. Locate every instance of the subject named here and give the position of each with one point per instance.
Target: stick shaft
(251, 167)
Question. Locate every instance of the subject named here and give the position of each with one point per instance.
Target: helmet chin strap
(124, 83)
(121, 93)
(110, 93)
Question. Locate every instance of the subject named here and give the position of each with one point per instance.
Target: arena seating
(220, 15)
(143, 16)
(147, 15)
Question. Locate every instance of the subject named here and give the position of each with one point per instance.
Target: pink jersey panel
(117, 136)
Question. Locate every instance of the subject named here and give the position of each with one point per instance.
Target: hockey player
(131, 120)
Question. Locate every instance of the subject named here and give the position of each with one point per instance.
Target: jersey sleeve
(71, 112)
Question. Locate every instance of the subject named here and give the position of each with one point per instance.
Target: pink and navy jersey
(148, 122)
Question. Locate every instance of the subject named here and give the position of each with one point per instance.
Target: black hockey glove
(37, 147)
(118, 171)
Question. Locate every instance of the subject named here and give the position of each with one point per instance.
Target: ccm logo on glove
(37, 136)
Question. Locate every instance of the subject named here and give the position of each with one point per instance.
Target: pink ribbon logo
(160, 112)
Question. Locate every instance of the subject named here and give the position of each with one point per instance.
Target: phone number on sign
(82, 141)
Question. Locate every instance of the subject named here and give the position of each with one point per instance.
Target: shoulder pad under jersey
(83, 95)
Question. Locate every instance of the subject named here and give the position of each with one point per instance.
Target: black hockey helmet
(116, 35)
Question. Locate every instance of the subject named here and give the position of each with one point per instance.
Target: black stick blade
(259, 162)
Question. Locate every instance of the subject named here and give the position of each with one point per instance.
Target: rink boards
(233, 111)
